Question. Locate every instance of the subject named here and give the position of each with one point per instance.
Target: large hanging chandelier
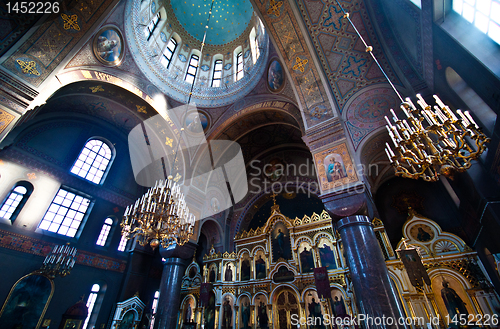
(431, 141)
(159, 216)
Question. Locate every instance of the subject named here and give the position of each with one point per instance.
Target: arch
(241, 252)
(266, 295)
(284, 286)
(320, 235)
(256, 249)
(210, 224)
(244, 294)
(302, 239)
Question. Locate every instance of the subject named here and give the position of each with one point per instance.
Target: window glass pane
(122, 244)
(495, 12)
(69, 213)
(92, 165)
(457, 6)
(468, 12)
(481, 22)
(494, 32)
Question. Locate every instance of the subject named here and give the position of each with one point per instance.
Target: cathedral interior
(281, 108)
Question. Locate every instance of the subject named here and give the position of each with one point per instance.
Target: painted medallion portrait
(422, 233)
(108, 46)
(196, 122)
(275, 76)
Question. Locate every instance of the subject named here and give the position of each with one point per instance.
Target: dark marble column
(176, 261)
(375, 295)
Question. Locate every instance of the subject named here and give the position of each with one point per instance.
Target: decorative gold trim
(46, 304)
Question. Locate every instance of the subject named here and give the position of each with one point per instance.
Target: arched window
(93, 161)
(153, 308)
(103, 236)
(94, 292)
(485, 15)
(148, 32)
(239, 66)
(15, 200)
(216, 78)
(192, 69)
(122, 244)
(168, 53)
(65, 213)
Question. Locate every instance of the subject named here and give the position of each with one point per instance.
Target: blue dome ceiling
(229, 18)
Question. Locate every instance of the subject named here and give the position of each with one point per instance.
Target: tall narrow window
(153, 308)
(239, 66)
(122, 244)
(15, 200)
(148, 32)
(91, 302)
(103, 236)
(92, 161)
(192, 69)
(65, 213)
(484, 14)
(168, 53)
(254, 44)
(217, 73)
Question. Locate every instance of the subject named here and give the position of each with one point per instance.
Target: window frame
(239, 66)
(19, 207)
(190, 65)
(150, 31)
(108, 166)
(93, 313)
(122, 245)
(83, 221)
(105, 226)
(215, 71)
(172, 52)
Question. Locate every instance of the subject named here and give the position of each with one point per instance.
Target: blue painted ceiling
(229, 18)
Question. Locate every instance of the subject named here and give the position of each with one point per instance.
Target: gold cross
(274, 198)
(177, 177)
(169, 142)
(70, 22)
(287, 37)
(141, 109)
(31, 175)
(301, 63)
(28, 67)
(310, 90)
(96, 88)
(274, 8)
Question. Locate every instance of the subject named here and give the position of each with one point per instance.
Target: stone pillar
(176, 261)
(375, 295)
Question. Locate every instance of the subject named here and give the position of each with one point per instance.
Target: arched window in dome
(217, 76)
(254, 45)
(153, 24)
(192, 69)
(15, 201)
(93, 161)
(239, 66)
(168, 53)
(91, 303)
(103, 235)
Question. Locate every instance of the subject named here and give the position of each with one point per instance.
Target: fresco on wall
(275, 76)
(26, 303)
(196, 122)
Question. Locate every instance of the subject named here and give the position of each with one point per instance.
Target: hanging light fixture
(161, 216)
(431, 141)
(59, 262)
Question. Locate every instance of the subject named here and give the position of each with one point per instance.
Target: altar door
(287, 305)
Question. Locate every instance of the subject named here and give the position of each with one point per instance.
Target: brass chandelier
(159, 216)
(431, 141)
(59, 262)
